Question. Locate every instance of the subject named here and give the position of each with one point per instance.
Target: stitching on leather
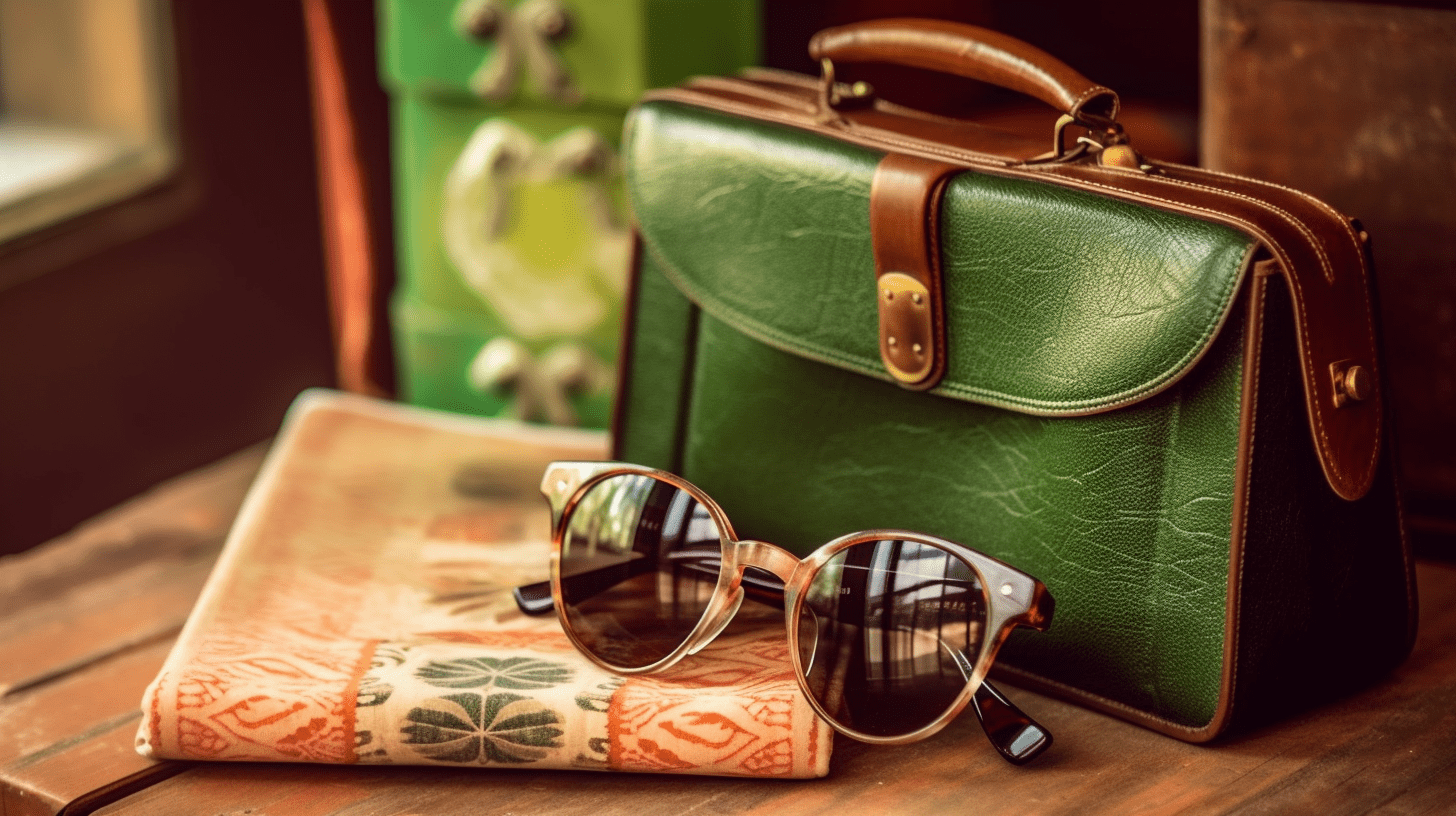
(1338, 216)
(1091, 92)
(1106, 702)
(1334, 462)
(1328, 458)
(1322, 434)
(1284, 214)
(756, 328)
(981, 159)
(777, 75)
(1172, 373)
(1374, 363)
(1258, 290)
(745, 88)
(787, 342)
(687, 96)
(1329, 270)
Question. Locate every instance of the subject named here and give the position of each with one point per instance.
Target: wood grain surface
(85, 623)
(65, 738)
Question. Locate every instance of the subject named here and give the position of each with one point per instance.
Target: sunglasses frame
(1012, 597)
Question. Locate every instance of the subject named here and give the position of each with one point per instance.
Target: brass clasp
(835, 96)
(1351, 382)
(1104, 139)
(907, 328)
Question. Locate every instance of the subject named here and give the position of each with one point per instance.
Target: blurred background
(207, 207)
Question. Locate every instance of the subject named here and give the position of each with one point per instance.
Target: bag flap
(1057, 301)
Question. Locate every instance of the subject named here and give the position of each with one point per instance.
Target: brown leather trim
(991, 168)
(1097, 702)
(790, 104)
(1243, 479)
(1319, 250)
(1329, 278)
(967, 51)
(905, 196)
(756, 91)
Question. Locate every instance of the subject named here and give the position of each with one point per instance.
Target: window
(85, 107)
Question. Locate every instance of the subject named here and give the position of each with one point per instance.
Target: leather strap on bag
(905, 231)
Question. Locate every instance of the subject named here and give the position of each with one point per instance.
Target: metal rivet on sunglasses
(1007, 589)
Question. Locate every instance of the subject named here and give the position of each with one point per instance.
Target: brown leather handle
(972, 52)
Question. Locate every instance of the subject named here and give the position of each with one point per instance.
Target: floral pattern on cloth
(361, 612)
(454, 704)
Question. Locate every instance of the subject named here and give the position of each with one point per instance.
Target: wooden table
(86, 620)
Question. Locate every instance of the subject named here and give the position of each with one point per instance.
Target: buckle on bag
(904, 220)
(1105, 139)
(907, 327)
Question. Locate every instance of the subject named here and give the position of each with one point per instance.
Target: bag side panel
(654, 378)
(1126, 516)
(1320, 611)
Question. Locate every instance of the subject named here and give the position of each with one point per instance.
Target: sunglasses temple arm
(1017, 737)
(534, 599)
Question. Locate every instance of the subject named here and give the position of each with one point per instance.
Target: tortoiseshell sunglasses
(891, 632)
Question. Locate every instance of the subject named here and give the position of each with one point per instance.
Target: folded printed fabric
(361, 612)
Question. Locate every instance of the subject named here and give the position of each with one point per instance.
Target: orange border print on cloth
(361, 612)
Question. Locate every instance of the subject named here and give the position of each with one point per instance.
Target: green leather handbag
(1154, 387)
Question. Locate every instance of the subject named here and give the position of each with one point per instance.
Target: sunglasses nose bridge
(766, 556)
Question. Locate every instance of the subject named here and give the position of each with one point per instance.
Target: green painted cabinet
(513, 228)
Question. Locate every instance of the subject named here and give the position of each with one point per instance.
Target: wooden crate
(1355, 104)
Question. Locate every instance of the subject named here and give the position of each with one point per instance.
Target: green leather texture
(659, 360)
(1057, 301)
(1089, 432)
(1124, 515)
(753, 372)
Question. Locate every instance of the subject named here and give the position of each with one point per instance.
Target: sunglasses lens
(889, 633)
(639, 561)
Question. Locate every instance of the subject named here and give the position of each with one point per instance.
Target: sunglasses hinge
(767, 557)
